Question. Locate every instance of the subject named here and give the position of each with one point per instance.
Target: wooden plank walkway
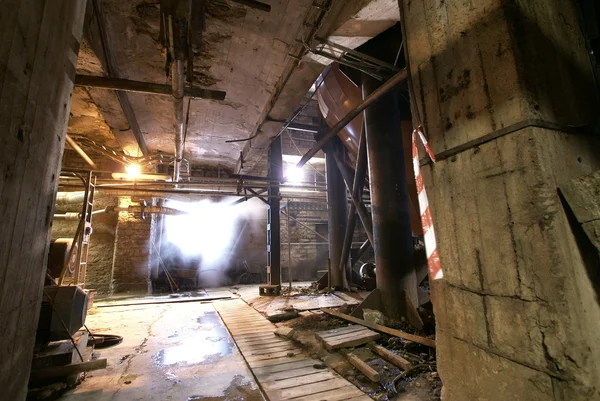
(280, 367)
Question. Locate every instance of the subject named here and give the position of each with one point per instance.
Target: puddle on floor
(199, 345)
(239, 390)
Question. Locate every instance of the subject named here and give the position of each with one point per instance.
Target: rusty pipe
(377, 94)
(177, 77)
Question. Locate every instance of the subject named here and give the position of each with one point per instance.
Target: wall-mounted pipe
(81, 152)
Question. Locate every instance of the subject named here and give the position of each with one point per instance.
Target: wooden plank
(272, 355)
(308, 389)
(289, 366)
(350, 340)
(275, 361)
(270, 350)
(389, 356)
(393, 332)
(352, 335)
(286, 374)
(297, 381)
(365, 369)
(56, 372)
(341, 330)
(340, 394)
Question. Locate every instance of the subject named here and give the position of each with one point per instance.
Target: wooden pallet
(280, 367)
(346, 337)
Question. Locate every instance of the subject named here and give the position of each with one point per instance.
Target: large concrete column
(517, 314)
(39, 42)
(390, 205)
(337, 211)
(273, 214)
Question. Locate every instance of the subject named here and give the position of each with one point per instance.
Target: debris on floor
(386, 367)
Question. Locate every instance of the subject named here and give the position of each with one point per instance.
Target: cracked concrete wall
(517, 313)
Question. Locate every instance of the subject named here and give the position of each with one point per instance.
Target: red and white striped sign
(433, 257)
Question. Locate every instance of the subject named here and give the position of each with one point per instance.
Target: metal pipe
(81, 152)
(361, 209)
(357, 189)
(368, 101)
(151, 88)
(392, 232)
(178, 76)
(337, 209)
(273, 223)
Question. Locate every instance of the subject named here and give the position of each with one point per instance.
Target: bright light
(207, 230)
(294, 175)
(133, 171)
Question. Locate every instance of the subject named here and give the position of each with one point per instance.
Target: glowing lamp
(133, 171)
(294, 175)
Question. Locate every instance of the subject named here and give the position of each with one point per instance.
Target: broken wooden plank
(364, 368)
(393, 332)
(389, 356)
(57, 372)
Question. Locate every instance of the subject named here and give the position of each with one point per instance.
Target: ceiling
(248, 53)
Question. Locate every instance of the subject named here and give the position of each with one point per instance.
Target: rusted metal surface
(369, 100)
(273, 214)
(337, 210)
(390, 207)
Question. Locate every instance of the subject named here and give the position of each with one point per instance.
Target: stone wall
(133, 251)
(517, 314)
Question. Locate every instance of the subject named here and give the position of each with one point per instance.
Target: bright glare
(294, 175)
(133, 171)
(207, 230)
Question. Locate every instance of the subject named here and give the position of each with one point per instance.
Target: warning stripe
(433, 257)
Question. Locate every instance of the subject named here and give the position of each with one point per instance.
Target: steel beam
(356, 191)
(390, 206)
(150, 88)
(337, 209)
(273, 215)
(254, 4)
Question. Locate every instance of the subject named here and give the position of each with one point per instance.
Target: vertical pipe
(390, 205)
(357, 190)
(177, 76)
(274, 228)
(337, 210)
(287, 207)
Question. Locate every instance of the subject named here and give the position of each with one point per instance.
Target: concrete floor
(178, 351)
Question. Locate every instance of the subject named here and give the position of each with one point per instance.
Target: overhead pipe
(373, 97)
(178, 84)
(81, 152)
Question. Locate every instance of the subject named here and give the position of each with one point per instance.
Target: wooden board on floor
(346, 337)
(280, 367)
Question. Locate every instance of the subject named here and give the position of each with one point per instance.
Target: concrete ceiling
(245, 52)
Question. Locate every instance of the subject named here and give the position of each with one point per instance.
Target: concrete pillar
(337, 211)
(498, 86)
(39, 42)
(390, 205)
(273, 214)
